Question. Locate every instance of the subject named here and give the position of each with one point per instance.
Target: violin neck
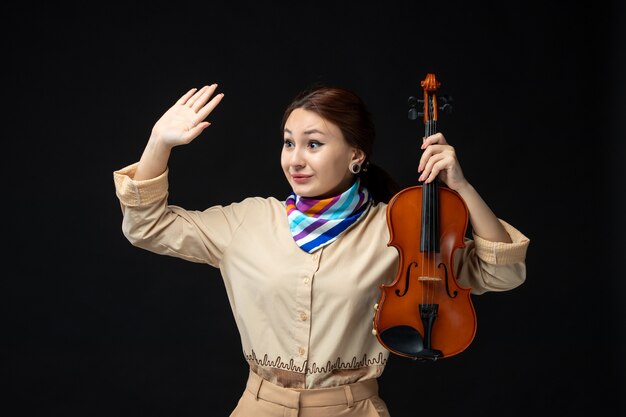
(430, 128)
(429, 239)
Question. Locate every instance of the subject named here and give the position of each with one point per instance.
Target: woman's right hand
(185, 120)
(179, 125)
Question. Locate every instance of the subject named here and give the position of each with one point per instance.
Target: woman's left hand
(439, 159)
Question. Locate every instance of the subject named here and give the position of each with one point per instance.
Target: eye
(315, 144)
(288, 143)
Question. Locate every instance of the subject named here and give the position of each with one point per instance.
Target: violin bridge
(423, 278)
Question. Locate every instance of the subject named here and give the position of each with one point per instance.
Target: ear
(358, 156)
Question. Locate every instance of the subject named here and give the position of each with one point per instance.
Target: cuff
(500, 253)
(137, 193)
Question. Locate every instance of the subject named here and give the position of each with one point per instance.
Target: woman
(303, 273)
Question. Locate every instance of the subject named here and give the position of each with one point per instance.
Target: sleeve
(492, 266)
(149, 222)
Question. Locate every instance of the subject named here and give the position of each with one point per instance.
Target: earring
(355, 168)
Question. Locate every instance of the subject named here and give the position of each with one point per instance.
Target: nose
(296, 160)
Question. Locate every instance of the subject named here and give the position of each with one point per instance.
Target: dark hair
(348, 111)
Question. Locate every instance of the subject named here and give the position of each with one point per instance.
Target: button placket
(302, 325)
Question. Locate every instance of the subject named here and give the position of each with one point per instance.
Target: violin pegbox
(429, 105)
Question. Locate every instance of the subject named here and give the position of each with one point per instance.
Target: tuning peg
(413, 103)
(446, 108)
(446, 104)
(414, 114)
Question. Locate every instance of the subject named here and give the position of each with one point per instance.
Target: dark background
(97, 327)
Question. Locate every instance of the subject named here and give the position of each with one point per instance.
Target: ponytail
(379, 183)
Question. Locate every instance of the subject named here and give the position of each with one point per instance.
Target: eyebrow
(307, 132)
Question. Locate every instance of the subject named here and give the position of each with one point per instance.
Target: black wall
(98, 327)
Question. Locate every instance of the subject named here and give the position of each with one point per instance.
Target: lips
(300, 179)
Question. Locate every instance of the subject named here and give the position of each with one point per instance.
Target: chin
(311, 191)
(303, 193)
(306, 192)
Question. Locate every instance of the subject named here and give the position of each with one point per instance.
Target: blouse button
(303, 316)
(301, 351)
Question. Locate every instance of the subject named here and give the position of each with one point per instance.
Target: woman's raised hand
(185, 120)
(439, 159)
(179, 125)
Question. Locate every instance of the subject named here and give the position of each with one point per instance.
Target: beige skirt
(264, 399)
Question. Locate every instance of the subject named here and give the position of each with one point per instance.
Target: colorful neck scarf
(317, 223)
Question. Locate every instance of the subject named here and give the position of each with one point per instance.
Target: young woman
(303, 273)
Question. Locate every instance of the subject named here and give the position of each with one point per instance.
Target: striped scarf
(316, 223)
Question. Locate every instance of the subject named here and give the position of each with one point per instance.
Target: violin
(424, 314)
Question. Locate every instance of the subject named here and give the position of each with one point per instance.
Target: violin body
(424, 313)
(425, 279)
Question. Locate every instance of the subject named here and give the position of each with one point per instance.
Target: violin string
(427, 189)
(431, 208)
(430, 242)
(426, 212)
(424, 249)
(434, 215)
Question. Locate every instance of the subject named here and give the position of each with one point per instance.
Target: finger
(436, 138)
(208, 108)
(196, 96)
(437, 169)
(434, 165)
(186, 97)
(427, 141)
(433, 150)
(427, 154)
(202, 99)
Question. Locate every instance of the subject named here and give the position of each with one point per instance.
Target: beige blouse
(305, 320)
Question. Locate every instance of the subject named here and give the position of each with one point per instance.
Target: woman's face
(315, 157)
